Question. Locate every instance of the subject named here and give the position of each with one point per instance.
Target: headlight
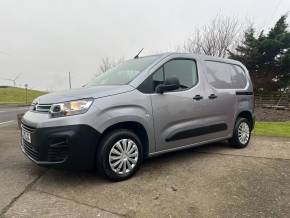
(70, 108)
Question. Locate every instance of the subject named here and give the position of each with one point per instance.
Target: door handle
(197, 97)
(212, 96)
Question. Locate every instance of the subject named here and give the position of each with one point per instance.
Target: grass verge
(281, 129)
(18, 95)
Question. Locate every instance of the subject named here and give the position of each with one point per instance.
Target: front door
(182, 117)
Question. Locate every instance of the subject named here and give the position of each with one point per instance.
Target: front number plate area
(26, 135)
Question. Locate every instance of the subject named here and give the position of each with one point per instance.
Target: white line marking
(17, 109)
(10, 121)
(8, 110)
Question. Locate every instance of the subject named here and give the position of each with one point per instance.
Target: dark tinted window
(225, 76)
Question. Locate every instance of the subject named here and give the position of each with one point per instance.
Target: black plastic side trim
(244, 93)
(197, 132)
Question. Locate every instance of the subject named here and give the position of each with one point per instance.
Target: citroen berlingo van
(143, 107)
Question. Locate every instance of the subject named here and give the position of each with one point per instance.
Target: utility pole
(26, 85)
(69, 80)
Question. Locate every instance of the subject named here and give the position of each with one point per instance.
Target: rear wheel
(119, 155)
(241, 134)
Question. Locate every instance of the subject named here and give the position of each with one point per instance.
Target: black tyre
(119, 154)
(241, 134)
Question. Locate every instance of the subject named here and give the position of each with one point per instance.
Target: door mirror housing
(170, 84)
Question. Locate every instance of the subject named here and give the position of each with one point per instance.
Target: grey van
(144, 107)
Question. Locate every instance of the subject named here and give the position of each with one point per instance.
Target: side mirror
(170, 84)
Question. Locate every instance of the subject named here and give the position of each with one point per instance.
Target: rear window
(225, 76)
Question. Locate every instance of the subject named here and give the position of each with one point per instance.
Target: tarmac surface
(209, 181)
(8, 114)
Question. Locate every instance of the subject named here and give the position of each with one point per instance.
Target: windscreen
(123, 73)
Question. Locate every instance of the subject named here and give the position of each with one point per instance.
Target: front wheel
(241, 134)
(120, 154)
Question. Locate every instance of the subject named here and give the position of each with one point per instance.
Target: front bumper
(72, 146)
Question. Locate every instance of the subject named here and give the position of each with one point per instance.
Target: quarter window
(158, 78)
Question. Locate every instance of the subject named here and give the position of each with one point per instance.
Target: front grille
(44, 108)
(28, 128)
(30, 150)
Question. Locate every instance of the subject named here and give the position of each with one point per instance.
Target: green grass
(281, 129)
(17, 95)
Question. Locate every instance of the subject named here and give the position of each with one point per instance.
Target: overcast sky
(45, 39)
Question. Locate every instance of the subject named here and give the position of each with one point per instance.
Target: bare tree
(214, 39)
(107, 63)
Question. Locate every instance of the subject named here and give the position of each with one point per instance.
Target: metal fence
(274, 100)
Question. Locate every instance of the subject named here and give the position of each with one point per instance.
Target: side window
(184, 70)
(225, 76)
(238, 78)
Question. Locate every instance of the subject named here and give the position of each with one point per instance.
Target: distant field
(17, 95)
(272, 129)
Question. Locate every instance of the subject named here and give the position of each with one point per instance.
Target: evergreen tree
(247, 51)
(267, 57)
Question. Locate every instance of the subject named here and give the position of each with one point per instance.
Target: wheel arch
(249, 116)
(135, 127)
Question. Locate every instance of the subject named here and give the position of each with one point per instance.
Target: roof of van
(203, 57)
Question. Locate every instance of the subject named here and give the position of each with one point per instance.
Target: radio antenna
(137, 56)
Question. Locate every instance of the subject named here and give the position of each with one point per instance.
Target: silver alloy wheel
(244, 132)
(123, 156)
